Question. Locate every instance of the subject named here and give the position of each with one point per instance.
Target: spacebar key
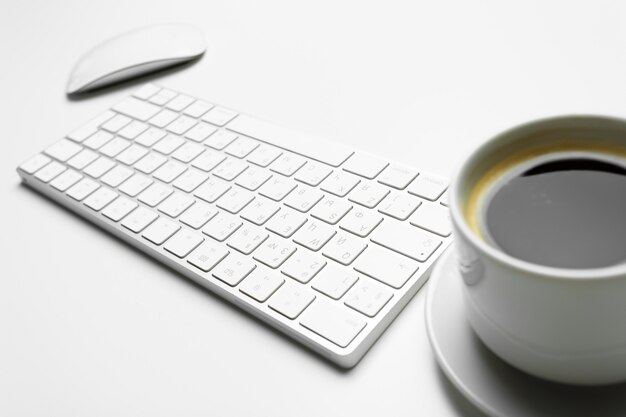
(332, 322)
(330, 153)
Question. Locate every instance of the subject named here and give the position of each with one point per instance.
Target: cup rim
(543, 271)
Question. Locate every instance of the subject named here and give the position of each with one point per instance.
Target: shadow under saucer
(492, 385)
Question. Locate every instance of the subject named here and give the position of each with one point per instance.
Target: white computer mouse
(135, 53)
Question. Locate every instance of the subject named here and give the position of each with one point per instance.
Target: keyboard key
(168, 144)
(99, 167)
(198, 215)
(163, 118)
(137, 109)
(303, 266)
(291, 300)
(340, 183)
(246, 239)
(82, 189)
(219, 116)
(428, 186)
(313, 173)
(332, 323)
(150, 137)
(303, 198)
(188, 152)
(197, 109)
(181, 125)
(63, 150)
(399, 205)
(119, 208)
(50, 171)
(183, 242)
(220, 139)
(135, 184)
(169, 171)
(207, 255)
(132, 130)
(411, 242)
(241, 147)
(175, 204)
(91, 127)
(397, 176)
(264, 155)
(211, 190)
(82, 159)
(222, 226)
(208, 160)
(65, 180)
(386, 266)
(163, 96)
(154, 194)
(149, 163)
(230, 169)
(132, 154)
(180, 102)
(368, 194)
(277, 188)
(35, 163)
(367, 297)
(100, 198)
(146, 91)
(274, 251)
(139, 219)
(314, 235)
(344, 248)
(288, 164)
(260, 211)
(261, 284)
(434, 218)
(365, 165)
(161, 230)
(286, 223)
(98, 139)
(190, 180)
(252, 178)
(331, 209)
(233, 269)
(235, 199)
(334, 282)
(114, 147)
(116, 176)
(361, 222)
(116, 123)
(200, 132)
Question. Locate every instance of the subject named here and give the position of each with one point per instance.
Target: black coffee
(569, 213)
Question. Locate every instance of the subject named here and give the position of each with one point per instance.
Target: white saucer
(490, 384)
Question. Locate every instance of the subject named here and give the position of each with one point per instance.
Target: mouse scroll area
(135, 53)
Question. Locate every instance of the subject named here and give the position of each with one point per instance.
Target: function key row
(367, 166)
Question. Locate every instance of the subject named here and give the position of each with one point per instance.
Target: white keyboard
(325, 243)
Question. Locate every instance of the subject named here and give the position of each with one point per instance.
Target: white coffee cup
(566, 325)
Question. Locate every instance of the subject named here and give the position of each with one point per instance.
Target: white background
(89, 326)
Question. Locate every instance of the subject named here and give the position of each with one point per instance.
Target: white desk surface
(91, 327)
